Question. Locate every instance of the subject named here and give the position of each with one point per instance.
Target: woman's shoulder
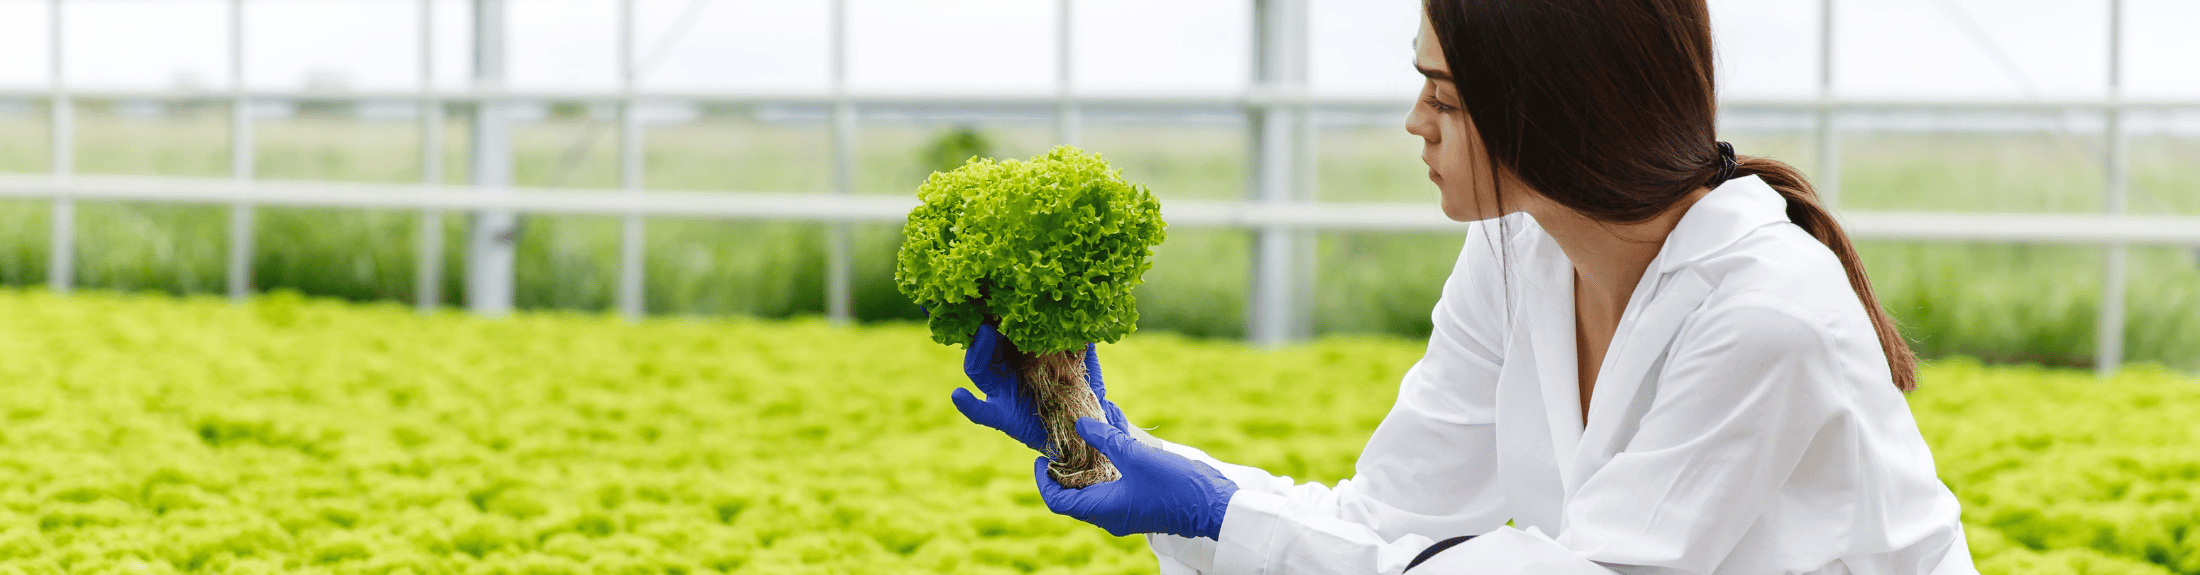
(1778, 263)
(1778, 287)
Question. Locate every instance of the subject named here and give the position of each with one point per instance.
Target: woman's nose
(1417, 125)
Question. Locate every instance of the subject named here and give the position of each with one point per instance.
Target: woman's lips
(1433, 177)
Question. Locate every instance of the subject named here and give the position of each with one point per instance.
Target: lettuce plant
(1049, 248)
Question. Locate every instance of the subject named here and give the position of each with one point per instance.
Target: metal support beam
(632, 237)
(61, 260)
(493, 239)
(428, 273)
(1828, 180)
(1067, 115)
(1282, 261)
(2115, 164)
(241, 155)
(839, 265)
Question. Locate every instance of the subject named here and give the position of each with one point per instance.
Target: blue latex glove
(1160, 492)
(1006, 406)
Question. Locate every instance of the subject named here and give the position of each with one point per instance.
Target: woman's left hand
(1006, 406)
(1160, 492)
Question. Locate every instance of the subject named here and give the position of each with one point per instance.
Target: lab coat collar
(1721, 217)
(1661, 302)
(1548, 323)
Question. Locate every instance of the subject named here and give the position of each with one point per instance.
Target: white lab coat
(1743, 422)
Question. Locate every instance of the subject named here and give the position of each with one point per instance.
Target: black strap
(1726, 165)
(1439, 547)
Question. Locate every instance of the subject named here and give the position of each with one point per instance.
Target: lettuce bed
(154, 435)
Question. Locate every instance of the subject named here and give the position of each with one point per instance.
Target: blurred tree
(953, 147)
(569, 110)
(727, 110)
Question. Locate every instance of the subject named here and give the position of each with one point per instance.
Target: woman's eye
(1436, 105)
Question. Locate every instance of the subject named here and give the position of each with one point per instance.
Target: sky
(1931, 49)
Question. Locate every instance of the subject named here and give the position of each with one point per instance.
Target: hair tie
(1726, 164)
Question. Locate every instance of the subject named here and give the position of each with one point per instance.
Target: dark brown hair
(1607, 107)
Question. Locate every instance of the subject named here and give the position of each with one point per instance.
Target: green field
(2004, 303)
(292, 435)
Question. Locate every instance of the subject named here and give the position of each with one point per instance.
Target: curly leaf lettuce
(1051, 246)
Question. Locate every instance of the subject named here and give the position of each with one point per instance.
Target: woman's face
(1449, 145)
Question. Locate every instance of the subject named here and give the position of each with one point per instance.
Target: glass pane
(26, 228)
(2035, 303)
(1189, 154)
(2162, 310)
(756, 44)
(169, 44)
(562, 44)
(332, 45)
(26, 36)
(1197, 284)
(762, 269)
(1766, 48)
(168, 248)
(360, 255)
(2165, 161)
(1367, 156)
(1783, 135)
(2018, 303)
(876, 298)
(897, 148)
(1381, 282)
(1162, 45)
(566, 262)
(26, 136)
(762, 148)
(559, 144)
(340, 140)
(1363, 46)
(1971, 48)
(153, 137)
(1971, 162)
(2158, 47)
(951, 44)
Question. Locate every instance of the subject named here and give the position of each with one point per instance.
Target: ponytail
(1803, 209)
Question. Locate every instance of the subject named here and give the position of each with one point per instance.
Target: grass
(2007, 303)
(296, 435)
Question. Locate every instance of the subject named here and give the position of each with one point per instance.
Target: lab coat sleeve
(1744, 392)
(1426, 473)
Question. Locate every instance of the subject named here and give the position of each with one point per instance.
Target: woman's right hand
(1007, 406)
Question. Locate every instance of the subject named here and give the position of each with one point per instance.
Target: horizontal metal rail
(1049, 99)
(1370, 217)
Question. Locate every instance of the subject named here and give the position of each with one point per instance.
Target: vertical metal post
(1304, 161)
(61, 261)
(1282, 271)
(492, 240)
(1067, 116)
(1828, 178)
(428, 277)
(2109, 337)
(241, 154)
(631, 236)
(839, 272)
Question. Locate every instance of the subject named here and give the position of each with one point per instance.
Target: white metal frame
(428, 279)
(2116, 164)
(492, 238)
(1279, 210)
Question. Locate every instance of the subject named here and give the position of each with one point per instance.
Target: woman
(1651, 357)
